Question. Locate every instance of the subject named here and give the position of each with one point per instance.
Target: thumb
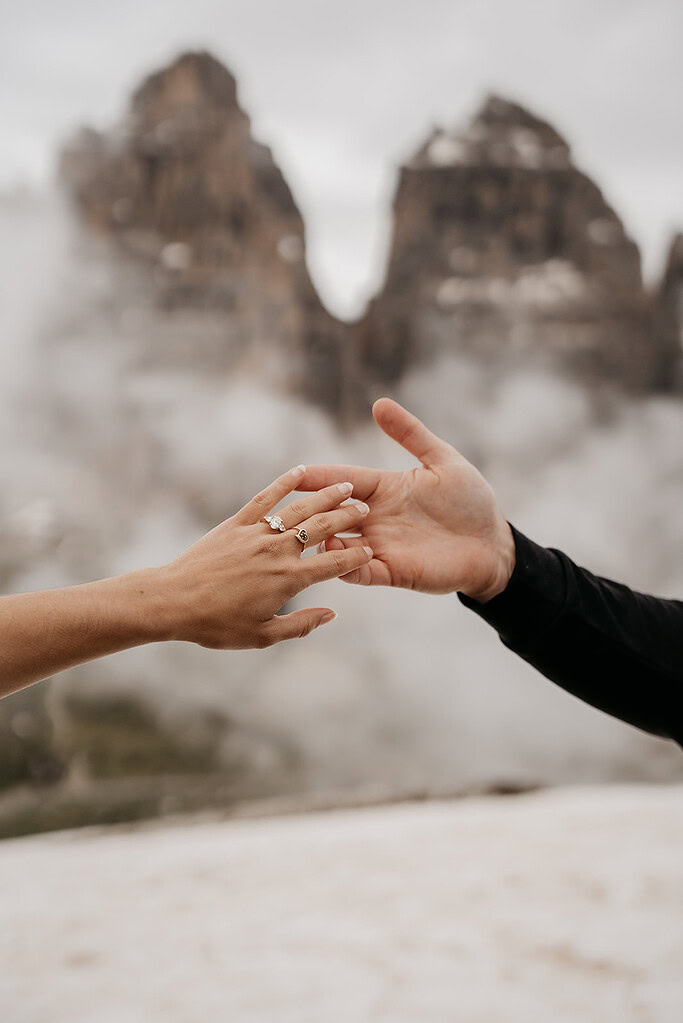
(297, 624)
(411, 433)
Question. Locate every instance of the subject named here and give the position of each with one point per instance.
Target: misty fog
(113, 460)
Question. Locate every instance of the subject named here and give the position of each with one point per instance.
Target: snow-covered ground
(565, 905)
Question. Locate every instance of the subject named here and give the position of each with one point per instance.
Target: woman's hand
(225, 590)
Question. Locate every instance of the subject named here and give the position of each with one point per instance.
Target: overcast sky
(343, 91)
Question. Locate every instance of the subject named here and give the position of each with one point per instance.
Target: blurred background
(225, 231)
(225, 228)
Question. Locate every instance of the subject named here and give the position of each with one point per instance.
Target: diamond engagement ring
(275, 522)
(302, 535)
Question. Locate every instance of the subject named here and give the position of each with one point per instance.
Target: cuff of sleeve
(532, 599)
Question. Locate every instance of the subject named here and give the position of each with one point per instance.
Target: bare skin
(435, 528)
(223, 592)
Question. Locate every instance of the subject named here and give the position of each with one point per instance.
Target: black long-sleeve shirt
(616, 649)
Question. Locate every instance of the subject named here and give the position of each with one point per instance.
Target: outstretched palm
(435, 528)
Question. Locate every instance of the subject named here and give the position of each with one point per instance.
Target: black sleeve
(619, 650)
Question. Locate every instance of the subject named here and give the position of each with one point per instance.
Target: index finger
(262, 503)
(318, 476)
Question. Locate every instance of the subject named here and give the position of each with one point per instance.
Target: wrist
(146, 601)
(504, 560)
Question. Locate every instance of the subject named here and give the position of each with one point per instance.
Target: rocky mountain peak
(500, 114)
(183, 187)
(504, 251)
(195, 83)
(502, 133)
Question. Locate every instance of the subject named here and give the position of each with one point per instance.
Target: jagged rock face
(503, 250)
(184, 187)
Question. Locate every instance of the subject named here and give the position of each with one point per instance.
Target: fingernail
(329, 617)
(321, 547)
(298, 470)
(368, 551)
(362, 508)
(344, 488)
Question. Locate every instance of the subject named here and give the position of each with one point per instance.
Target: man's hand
(435, 528)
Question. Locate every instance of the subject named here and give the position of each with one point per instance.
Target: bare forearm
(47, 632)
(223, 592)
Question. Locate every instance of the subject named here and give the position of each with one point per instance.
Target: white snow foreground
(565, 905)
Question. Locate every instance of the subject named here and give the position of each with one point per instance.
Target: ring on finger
(302, 535)
(275, 522)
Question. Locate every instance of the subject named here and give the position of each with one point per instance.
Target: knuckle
(340, 561)
(305, 627)
(260, 500)
(298, 508)
(322, 523)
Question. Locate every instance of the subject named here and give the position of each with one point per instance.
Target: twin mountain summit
(502, 251)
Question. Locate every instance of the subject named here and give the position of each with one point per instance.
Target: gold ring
(302, 535)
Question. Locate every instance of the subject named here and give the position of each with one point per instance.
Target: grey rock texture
(503, 250)
(182, 186)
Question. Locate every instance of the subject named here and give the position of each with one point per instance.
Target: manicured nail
(329, 617)
(344, 488)
(362, 507)
(321, 547)
(368, 551)
(298, 470)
